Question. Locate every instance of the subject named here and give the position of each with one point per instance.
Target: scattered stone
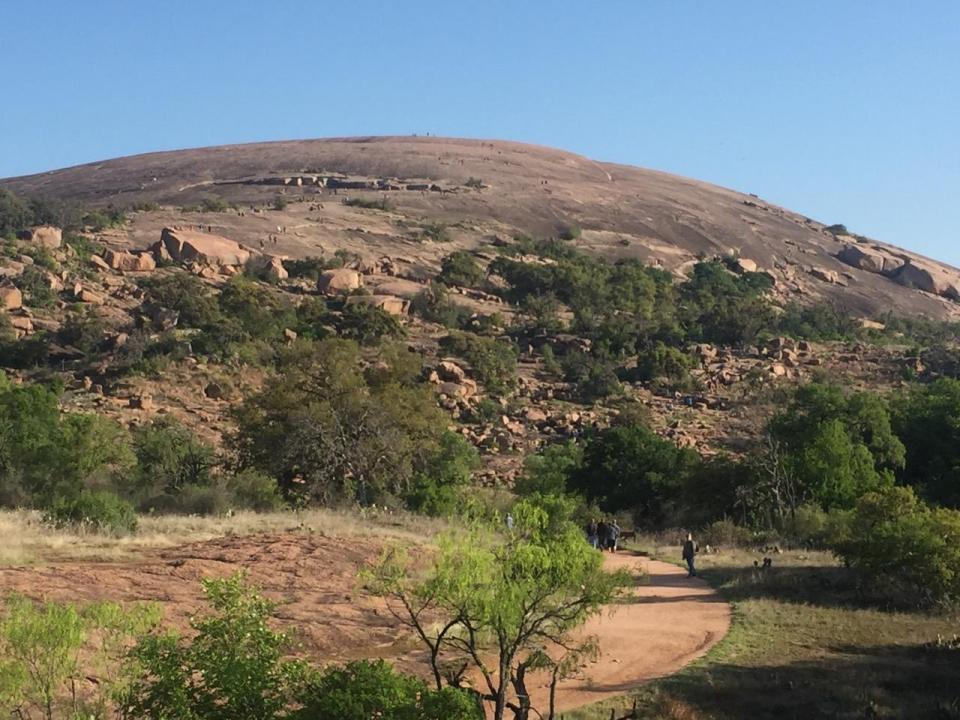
(449, 371)
(289, 335)
(99, 263)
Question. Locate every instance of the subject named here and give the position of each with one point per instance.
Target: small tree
(502, 607)
(460, 268)
(232, 668)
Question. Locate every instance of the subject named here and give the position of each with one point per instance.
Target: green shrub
(232, 666)
(368, 203)
(435, 231)
(215, 205)
(99, 510)
(15, 214)
(187, 295)
(41, 646)
(253, 490)
(279, 203)
(896, 542)
(169, 458)
(726, 533)
(548, 472)
(569, 232)
(494, 362)
(35, 288)
(367, 689)
(460, 268)
(368, 325)
(309, 267)
(594, 376)
(664, 362)
(475, 183)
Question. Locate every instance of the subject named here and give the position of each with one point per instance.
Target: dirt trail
(664, 624)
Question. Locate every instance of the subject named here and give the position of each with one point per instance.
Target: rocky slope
(488, 189)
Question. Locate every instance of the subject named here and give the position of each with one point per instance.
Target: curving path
(663, 625)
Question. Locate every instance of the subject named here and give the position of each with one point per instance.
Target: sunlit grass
(28, 540)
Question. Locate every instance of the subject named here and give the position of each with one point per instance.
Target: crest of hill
(499, 188)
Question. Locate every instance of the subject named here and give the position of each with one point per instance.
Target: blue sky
(845, 110)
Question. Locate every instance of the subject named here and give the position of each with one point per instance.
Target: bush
(41, 646)
(460, 268)
(569, 232)
(100, 510)
(373, 689)
(368, 203)
(493, 361)
(368, 325)
(187, 295)
(232, 667)
(726, 533)
(35, 288)
(253, 490)
(169, 458)
(594, 376)
(435, 231)
(664, 362)
(895, 538)
(547, 473)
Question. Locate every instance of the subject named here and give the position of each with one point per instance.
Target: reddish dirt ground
(663, 624)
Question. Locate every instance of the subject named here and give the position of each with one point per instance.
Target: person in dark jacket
(603, 534)
(593, 534)
(689, 553)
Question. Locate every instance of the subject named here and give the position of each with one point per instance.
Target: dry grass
(27, 540)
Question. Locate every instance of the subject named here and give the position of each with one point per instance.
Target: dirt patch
(660, 626)
(313, 578)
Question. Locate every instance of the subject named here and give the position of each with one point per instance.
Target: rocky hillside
(348, 237)
(484, 190)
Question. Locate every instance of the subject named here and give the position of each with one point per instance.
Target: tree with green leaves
(330, 433)
(502, 607)
(927, 421)
(837, 444)
(232, 667)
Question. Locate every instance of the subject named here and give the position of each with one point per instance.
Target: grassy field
(27, 540)
(805, 644)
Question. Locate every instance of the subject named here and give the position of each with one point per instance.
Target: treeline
(874, 478)
(637, 322)
(334, 425)
(18, 213)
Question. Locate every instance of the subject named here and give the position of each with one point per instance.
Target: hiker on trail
(592, 536)
(603, 535)
(689, 552)
(614, 535)
(509, 521)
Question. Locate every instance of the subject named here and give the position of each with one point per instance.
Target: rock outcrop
(193, 246)
(129, 262)
(10, 298)
(46, 235)
(387, 303)
(929, 278)
(340, 281)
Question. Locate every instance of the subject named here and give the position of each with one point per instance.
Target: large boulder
(193, 246)
(862, 258)
(46, 235)
(270, 267)
(929, 278)
(10, 298)
(338, 282)
(129, 262)
(387, 303)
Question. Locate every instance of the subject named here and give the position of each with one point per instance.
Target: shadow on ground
(881, 682)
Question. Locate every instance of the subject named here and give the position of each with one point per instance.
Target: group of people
(604, 534)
